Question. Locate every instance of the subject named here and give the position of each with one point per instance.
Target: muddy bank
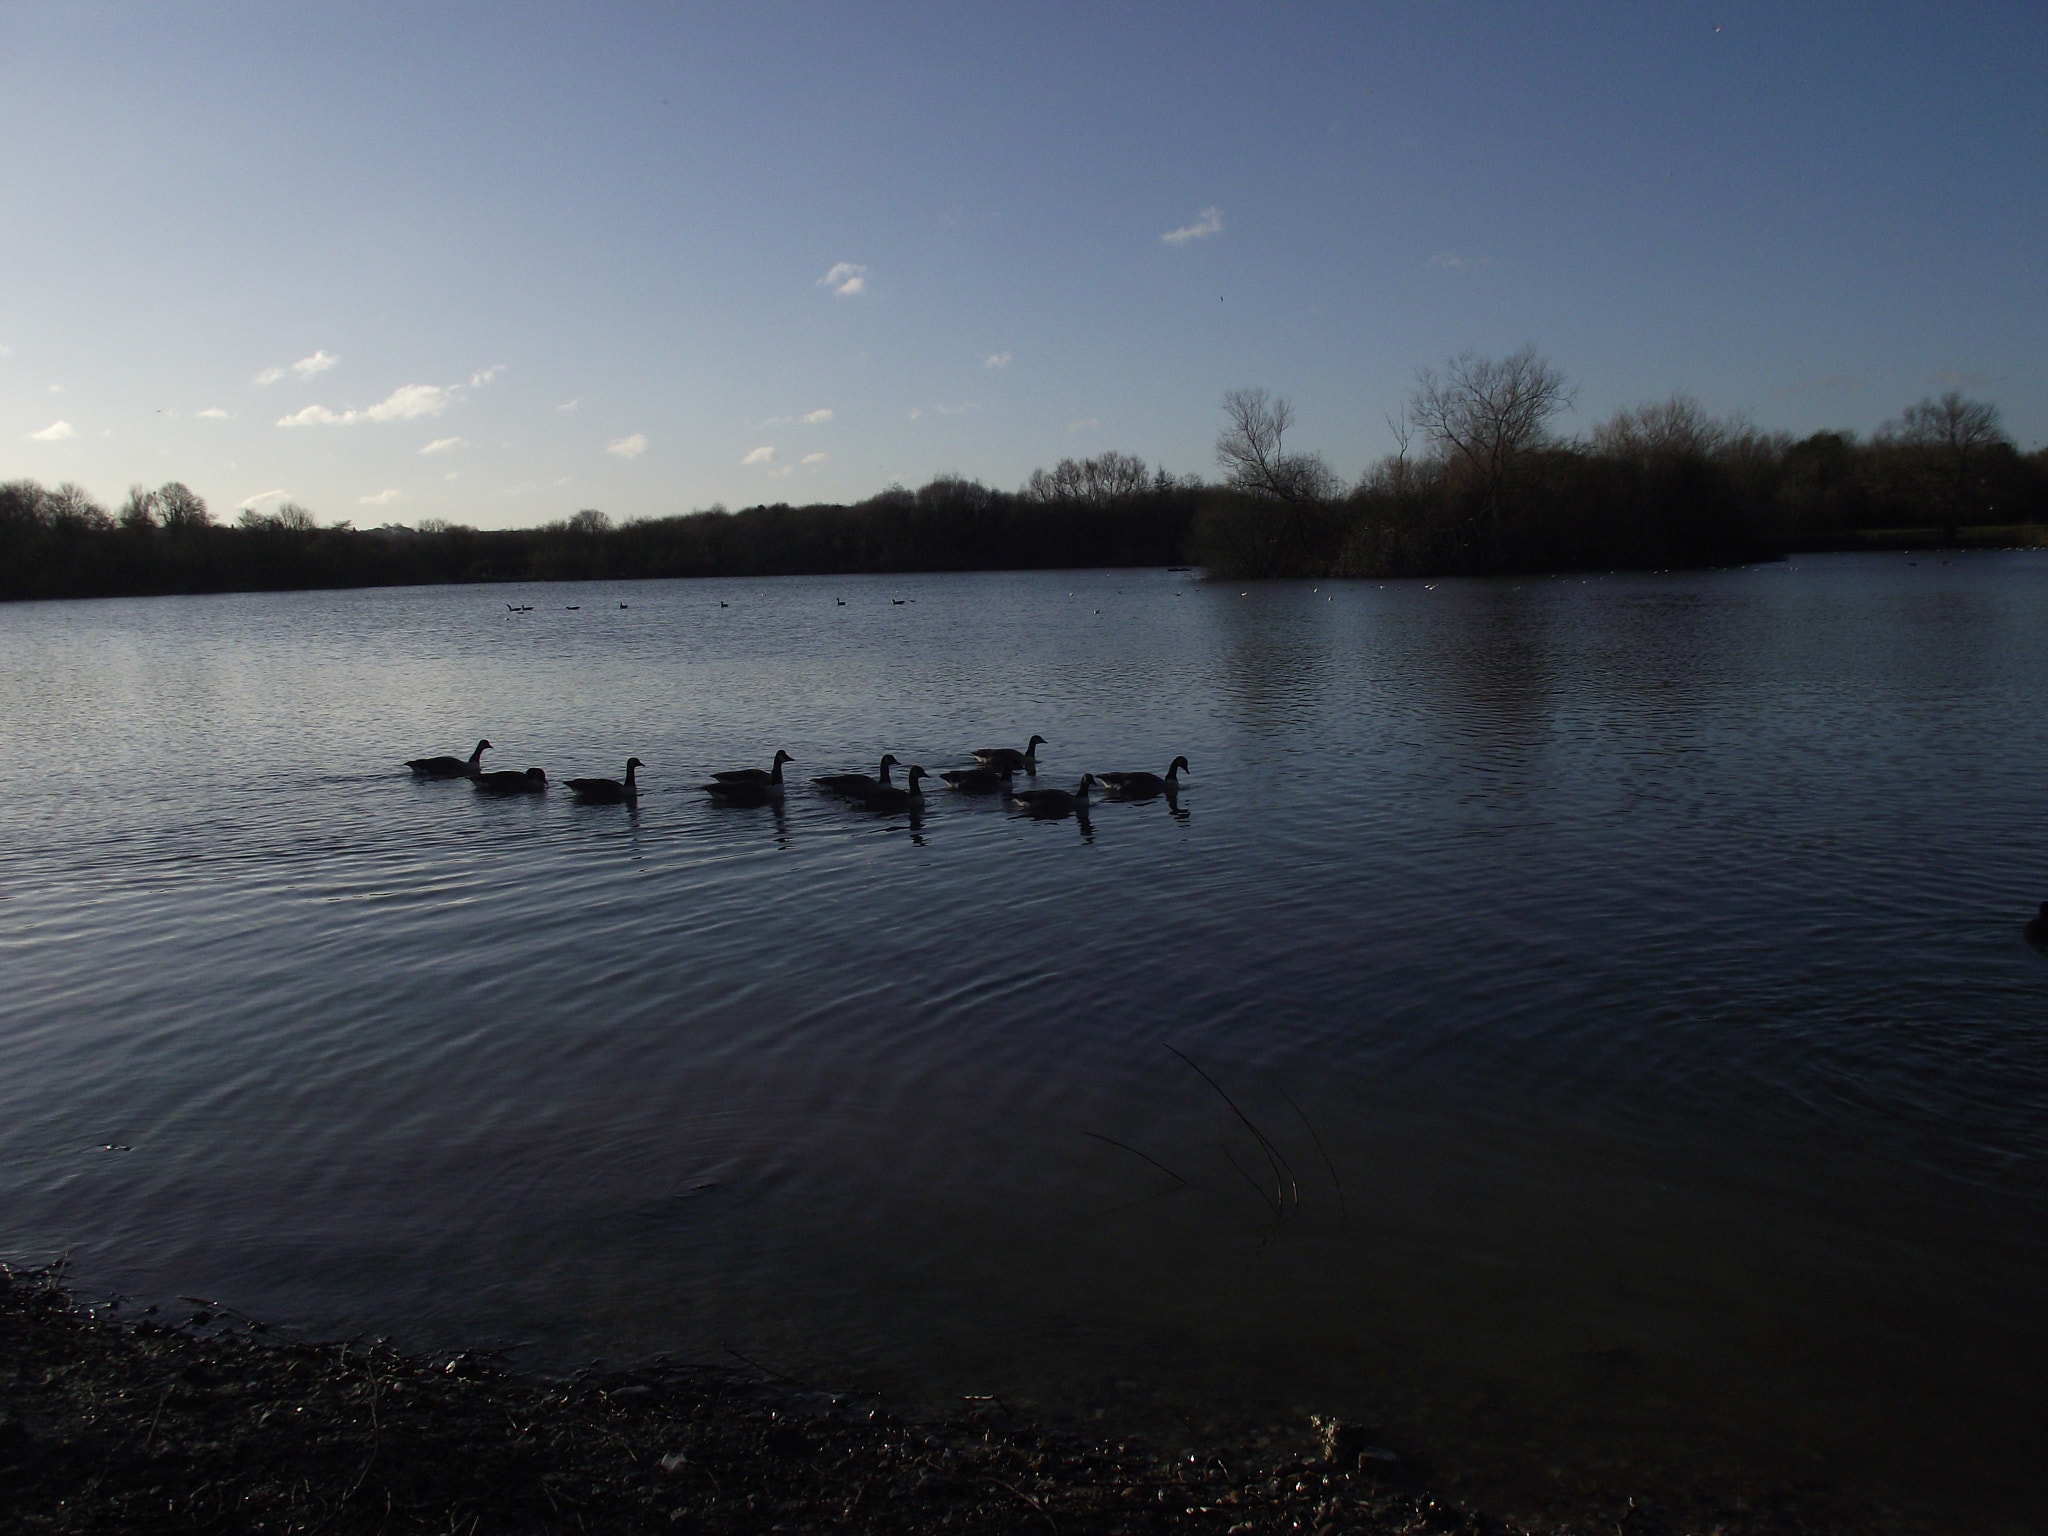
(212, 1423)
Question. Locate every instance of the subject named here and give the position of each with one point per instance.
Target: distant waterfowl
(1141, 786)
(572, 608)
(857, 785)
(608, 791)
(977, 781)
(2037, 928)
(896, 602)
(511, 782)
(449, 767)
(840, 601)
(889, 798)
(1010, 757)
(749, 786)
(1054, 802)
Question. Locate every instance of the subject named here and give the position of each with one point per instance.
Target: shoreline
(215, 1422)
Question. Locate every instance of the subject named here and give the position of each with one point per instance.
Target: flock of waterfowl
(994, 772)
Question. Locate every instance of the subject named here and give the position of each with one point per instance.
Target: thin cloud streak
(1210, 223)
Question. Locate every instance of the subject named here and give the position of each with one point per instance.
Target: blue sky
(496, 263)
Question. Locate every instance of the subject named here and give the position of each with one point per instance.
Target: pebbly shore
(211, 1422)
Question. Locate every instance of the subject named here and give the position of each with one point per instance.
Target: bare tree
(1487, 412)
(71, 506)
(1951, 437)
(1664, 429)
(180, 508)
(591, 521)
(1251, 449)
(139, 510)
(1101, 482)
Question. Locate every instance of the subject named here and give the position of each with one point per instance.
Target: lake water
(1625, 973)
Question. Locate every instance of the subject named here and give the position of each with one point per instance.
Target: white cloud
(55, 432)
(5, 350)
(484, 376)
(996, 360)
(916, 411)
(452, 475)
(811, 459)
(570, 405)
(1084, 426)
(1451, 261)
(215, 413)
(627, 447)
(315, 416)
(1210, 223)
(818, 418)
(304, 368)
(763, 455)
(444, 445)
(408, 402)
(845, 279)
(56, 389)
(964, 408)
(381, 499)
(260, 498)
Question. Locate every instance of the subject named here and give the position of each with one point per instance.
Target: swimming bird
(756, 775)
(855, 785)
(977, 781)
(1010, 757)
(887, 797)
(1054, 802)
(511, 782)
(2037, 928)
(749, 786)
(608, 791)
(1141, 786)
(449, 767)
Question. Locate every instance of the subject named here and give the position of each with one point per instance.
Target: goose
(1054, 802)
(887, 797)
(750, 784)
(608, 791)
(449, 767)
(1141, 786)
(2037, 928)
(856, 785)
(510, 782)
(977, 781)
(1010, 757)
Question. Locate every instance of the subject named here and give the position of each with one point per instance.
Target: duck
(750, 783)
(1010, 757)
(856, 785)
(2037, 928)
(977, 781)
(608, 791)
(1055, 802)
(511, 782)
(449, 767)
(1141, 786)
(887, 797)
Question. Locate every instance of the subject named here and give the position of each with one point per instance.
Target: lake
(1580, 1027)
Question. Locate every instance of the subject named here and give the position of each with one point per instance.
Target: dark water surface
(1628, 970)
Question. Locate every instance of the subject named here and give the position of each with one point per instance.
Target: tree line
(1479, 482)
